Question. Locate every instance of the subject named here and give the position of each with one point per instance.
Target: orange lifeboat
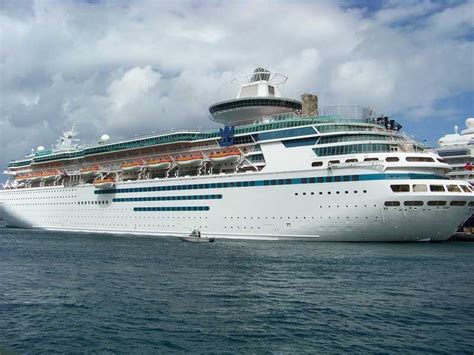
(90, 170)
(132, 166)
(161, 163)
(104, 183)
(229, 155)
(38, 176)
(190, 160)
(22, 177)
(51, 174)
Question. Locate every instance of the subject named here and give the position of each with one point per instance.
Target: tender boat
(90, 170)
(22, 178)
(162, 163)
(51, 175)
(104, 183)
(190, 160)
(230, 155)
(132, 166)
(35, 177)
(196, 237)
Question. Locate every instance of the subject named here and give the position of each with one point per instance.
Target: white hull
(315, 212)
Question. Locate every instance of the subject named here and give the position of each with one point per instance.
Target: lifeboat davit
(132, 166)
(90, 170)
(230, 155)
(104, 183)
(51, 174)
(162, 163)
(190, 160)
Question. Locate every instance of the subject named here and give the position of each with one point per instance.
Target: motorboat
(196, 237)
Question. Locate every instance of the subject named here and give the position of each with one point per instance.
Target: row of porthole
(429, 203)
(329, 192)
(101, 202)
(37, 198)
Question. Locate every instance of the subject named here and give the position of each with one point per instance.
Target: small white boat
(195, 237)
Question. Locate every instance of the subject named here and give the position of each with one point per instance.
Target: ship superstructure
(279, 169)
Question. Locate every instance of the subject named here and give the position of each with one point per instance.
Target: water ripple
(118, 294)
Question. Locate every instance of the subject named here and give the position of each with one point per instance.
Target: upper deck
(278, 122)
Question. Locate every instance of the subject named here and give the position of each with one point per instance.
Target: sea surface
(82, 293)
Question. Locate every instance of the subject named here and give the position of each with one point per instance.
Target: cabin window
(436, 203)
(371, 159)
(400, 188)
(413, 203)
(453, 188)
(466, 188)
(420, 159)
(420, 188)
(437, 188)
(392, 203)
(392, 159)
(351, 160)
(441, 160)
(334, 162)
(315, 164)
(458, 203)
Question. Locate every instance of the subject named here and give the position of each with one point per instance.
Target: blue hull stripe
(171, 208)
(168, 198)
(295, 181)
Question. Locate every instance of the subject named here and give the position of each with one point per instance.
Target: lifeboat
(90, 170)
(35, 177)
(230, 155)
(132, 166)
(104, 183)
(162, 163)
(22, 178)
(51, 174)
(190, 160)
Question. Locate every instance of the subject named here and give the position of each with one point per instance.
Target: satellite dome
(104, 138)
(470, 122)
(40, 148)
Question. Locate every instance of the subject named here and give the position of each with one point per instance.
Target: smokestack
(309, 104)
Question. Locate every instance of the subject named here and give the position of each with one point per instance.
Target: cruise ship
(278, 169)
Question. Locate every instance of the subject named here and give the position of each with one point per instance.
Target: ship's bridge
(259, 96)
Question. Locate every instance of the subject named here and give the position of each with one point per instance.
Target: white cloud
(135, 66)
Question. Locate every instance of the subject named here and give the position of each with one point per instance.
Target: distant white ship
(457, 150)
(280, 168)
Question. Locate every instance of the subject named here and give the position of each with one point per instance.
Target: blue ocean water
(96, 293)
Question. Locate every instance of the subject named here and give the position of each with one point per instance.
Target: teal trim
(295, 181)
(171, 208)
(168, 198)
(286, 133)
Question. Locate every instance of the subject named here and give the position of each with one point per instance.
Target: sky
(128, 68)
